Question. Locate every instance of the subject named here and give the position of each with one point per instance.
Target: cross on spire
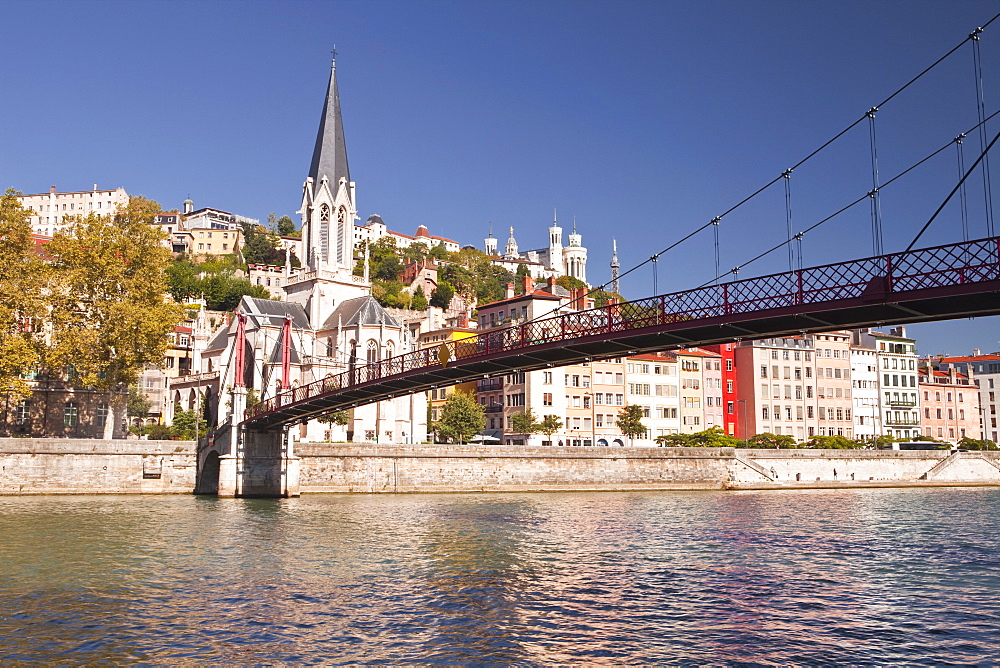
(333, 52)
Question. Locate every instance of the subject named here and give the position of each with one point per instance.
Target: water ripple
(747, 578)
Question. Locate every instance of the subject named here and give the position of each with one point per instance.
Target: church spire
(330, 154)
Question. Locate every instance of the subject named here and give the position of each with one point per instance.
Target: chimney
(577, 298)
(550, 282)
(52, 190)
(976, 352)
(510, 291)
(463, 319)
(527, 284)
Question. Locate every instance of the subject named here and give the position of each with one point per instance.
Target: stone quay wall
(437, 468)
(443, 468)
(85, 466)
(96, 466)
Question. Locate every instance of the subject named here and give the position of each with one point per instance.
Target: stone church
(336, 325)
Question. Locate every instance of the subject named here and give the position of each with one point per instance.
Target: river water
(821, 576)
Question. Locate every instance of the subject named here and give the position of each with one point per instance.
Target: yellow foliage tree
(109, 316)
(22, 307)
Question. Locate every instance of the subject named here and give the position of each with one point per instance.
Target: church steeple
(330, 154)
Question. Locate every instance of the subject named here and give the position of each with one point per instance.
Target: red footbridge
(939, 283)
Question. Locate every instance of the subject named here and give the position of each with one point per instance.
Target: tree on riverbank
(23, 276)
(461, 417)
(108, 318)
(629, 422)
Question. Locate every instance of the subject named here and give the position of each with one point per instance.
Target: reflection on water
(823, 576)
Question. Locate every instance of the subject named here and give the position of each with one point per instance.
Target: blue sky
(642, 119)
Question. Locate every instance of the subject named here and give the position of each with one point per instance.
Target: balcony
(493, 408)
(902, 403)
(489, 385)
(902, 422)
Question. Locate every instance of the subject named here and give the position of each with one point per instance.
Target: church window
(341, 220)
(324, 231)
(372, 352)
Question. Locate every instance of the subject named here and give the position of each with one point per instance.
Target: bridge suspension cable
(868, 115)
(962, 195)
(954, 190)
(981, 111)
(797, 238)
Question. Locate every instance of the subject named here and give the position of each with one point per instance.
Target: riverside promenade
(85, 466)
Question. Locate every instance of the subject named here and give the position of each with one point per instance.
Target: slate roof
(360, 311)
(330, 154)
(269, 312)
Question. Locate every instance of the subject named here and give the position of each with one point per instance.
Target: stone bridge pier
(248, 463)
(238, 462)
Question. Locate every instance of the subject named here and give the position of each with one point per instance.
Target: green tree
(223, 291)
(629, 422)
(770, 441)
(23, 306)
(261, 246)
(714, 438)
(188, 425)
(183, 280)
(419, 301)
(550, 424)
(519, 276)
(832, 443)
(675, 440)
(976, 444)
(138, 404)
(461, 417)
(442, 295)
(601, 297)
(416, 252)
(570, 282)
(525, 422)
(339, 418)
(109, 319)
(438, 252)
(286, 226)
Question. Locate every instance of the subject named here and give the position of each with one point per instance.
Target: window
(547, 399)
(547, 377)
(23, 412)
(729, 365)
(70, 415)
(763, 371)
(102, 415)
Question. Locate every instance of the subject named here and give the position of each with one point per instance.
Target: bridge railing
(940, 266)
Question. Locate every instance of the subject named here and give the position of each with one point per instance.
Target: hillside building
(52, 212)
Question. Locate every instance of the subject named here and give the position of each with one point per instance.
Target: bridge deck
(939, 283)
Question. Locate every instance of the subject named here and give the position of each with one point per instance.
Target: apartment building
(896, 357)
(52, 212)
(949, 404)
(865, 393)
(987, 378)
(653, 382)
(731, 417)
